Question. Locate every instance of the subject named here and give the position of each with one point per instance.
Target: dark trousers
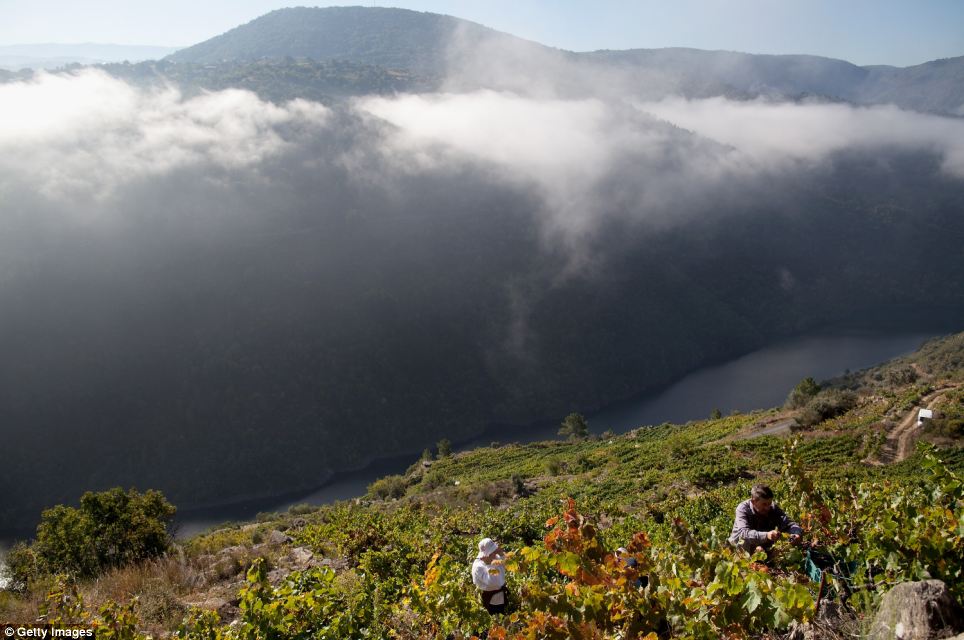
(487, 600)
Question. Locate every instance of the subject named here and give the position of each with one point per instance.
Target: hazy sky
(897, 32)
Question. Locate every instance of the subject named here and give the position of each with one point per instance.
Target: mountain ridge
(447, 47)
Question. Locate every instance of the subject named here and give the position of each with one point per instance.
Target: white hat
(487, 546)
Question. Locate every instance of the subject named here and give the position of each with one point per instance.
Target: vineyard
(396, 564)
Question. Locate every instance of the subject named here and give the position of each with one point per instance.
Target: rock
(225, 567)
(299, 523)
(231, 551)
(276, 576)
(277, 538)
(224, 607)
(338, 564)
(917, 611)
(228, 611)
(300, 557)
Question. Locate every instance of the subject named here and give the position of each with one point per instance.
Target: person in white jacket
(488, 574)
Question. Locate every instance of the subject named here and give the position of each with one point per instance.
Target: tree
(716, 414)
(444, 448)
(802, 393)
(21, 567)
(426, 454)
(110, 529)
(574, 427)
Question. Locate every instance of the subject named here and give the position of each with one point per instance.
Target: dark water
(758, 380)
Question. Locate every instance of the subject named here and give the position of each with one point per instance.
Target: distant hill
(933, 86)
(53, 56)
(702, 73)
(392, 38)
(474, 56)
(277, 80)
(936, 86)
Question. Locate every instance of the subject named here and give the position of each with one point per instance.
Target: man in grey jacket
(759, 523)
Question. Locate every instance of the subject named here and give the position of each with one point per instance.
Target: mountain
(52, 56)
(391, 38)
(277, 80)
(936, 86)
(464, 55)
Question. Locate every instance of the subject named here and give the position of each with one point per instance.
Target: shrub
(901, 376)
(827, 404)
(444, 447)
(110, 529)
(584, 463)
(302, 509)
(388, 487)
(22, 566)
(519, 485)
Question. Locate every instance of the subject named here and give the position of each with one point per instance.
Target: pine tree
(574, 427)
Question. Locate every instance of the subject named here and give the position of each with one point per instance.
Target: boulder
(917, 611)
(232, 551)
(300, 557)
(277, 538)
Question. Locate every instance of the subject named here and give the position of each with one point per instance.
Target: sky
(895, 32)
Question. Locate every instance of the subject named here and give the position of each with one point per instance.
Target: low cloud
(657, 162)
(585, 157)
(82, 137)
(84, 134)
(766, 132)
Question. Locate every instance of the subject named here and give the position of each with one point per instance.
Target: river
(757, 380)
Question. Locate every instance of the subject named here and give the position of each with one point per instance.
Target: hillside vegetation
(395, 564)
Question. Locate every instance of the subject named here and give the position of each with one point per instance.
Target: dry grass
(21, 609)
(158, 585)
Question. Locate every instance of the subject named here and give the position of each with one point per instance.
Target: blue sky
(897, 32)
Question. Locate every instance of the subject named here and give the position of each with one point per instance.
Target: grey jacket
(751, 527)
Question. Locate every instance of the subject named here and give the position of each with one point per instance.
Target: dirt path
(905, 434)
(900, 442)
(778, 428)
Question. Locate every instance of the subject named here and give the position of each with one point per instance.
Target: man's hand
(773, 535)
